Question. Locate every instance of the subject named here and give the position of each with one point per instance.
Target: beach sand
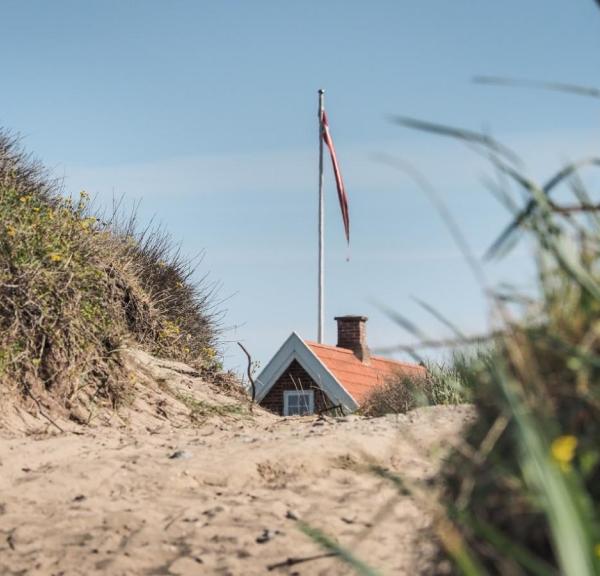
(150, 492)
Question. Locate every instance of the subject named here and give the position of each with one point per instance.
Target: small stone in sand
(267, 535)
(180, 455)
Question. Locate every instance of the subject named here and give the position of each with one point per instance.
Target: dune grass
(523, 490)
(75, 288)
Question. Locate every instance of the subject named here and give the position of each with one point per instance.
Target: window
(298, 402)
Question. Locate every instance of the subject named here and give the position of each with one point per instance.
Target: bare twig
(249, 372)
(534, 190)
(332, 408)
(28, 392)
(294, 561)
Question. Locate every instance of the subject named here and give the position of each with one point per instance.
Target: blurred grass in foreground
(524, 490)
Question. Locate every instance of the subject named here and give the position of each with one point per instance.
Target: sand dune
(152, 493)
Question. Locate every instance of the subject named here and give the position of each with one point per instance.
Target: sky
(205, 113)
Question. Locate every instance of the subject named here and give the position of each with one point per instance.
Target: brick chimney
(352, 335)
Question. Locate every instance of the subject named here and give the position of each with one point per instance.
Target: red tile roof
(358, 378)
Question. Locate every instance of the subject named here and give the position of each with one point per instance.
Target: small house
(305, 377)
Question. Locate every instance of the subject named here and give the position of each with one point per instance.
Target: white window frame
(287, 394)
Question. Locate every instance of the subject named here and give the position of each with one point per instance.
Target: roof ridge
(329, 347)
(392, 361)
(373, 357)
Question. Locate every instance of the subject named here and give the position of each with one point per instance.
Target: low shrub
(441, 385)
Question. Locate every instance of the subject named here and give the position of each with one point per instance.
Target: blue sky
(206, 112)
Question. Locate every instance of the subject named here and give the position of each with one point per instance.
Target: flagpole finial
(321, 91)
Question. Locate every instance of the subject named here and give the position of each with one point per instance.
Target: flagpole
(321, 330)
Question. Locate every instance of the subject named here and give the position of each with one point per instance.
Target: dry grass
(74, 289)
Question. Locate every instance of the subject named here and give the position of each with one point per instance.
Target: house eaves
(294, 348)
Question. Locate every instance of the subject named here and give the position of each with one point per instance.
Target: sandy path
(114, 502)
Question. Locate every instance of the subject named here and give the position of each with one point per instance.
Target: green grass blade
(403, 321)
(504, 545)
(576, 89)
(441, 318)
(531, 187)
(467, 136)
(342, 553)
(570, 529)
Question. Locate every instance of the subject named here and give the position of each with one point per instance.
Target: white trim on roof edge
(294, 348)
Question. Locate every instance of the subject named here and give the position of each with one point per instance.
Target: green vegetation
(524, 490)
(334, 549)
(522, 493)
(442, 385)
(74, 289)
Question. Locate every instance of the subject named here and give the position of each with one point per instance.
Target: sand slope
(157, 495)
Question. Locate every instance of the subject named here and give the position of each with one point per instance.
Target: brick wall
(294, 378)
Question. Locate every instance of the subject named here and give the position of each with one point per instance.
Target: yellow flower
(87, 222)
(55, 256)
(24, 199)
(563, 450)
(11, 231)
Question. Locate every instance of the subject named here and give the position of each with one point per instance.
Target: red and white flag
(343, 198)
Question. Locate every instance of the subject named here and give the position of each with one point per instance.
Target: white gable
(294, 348)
